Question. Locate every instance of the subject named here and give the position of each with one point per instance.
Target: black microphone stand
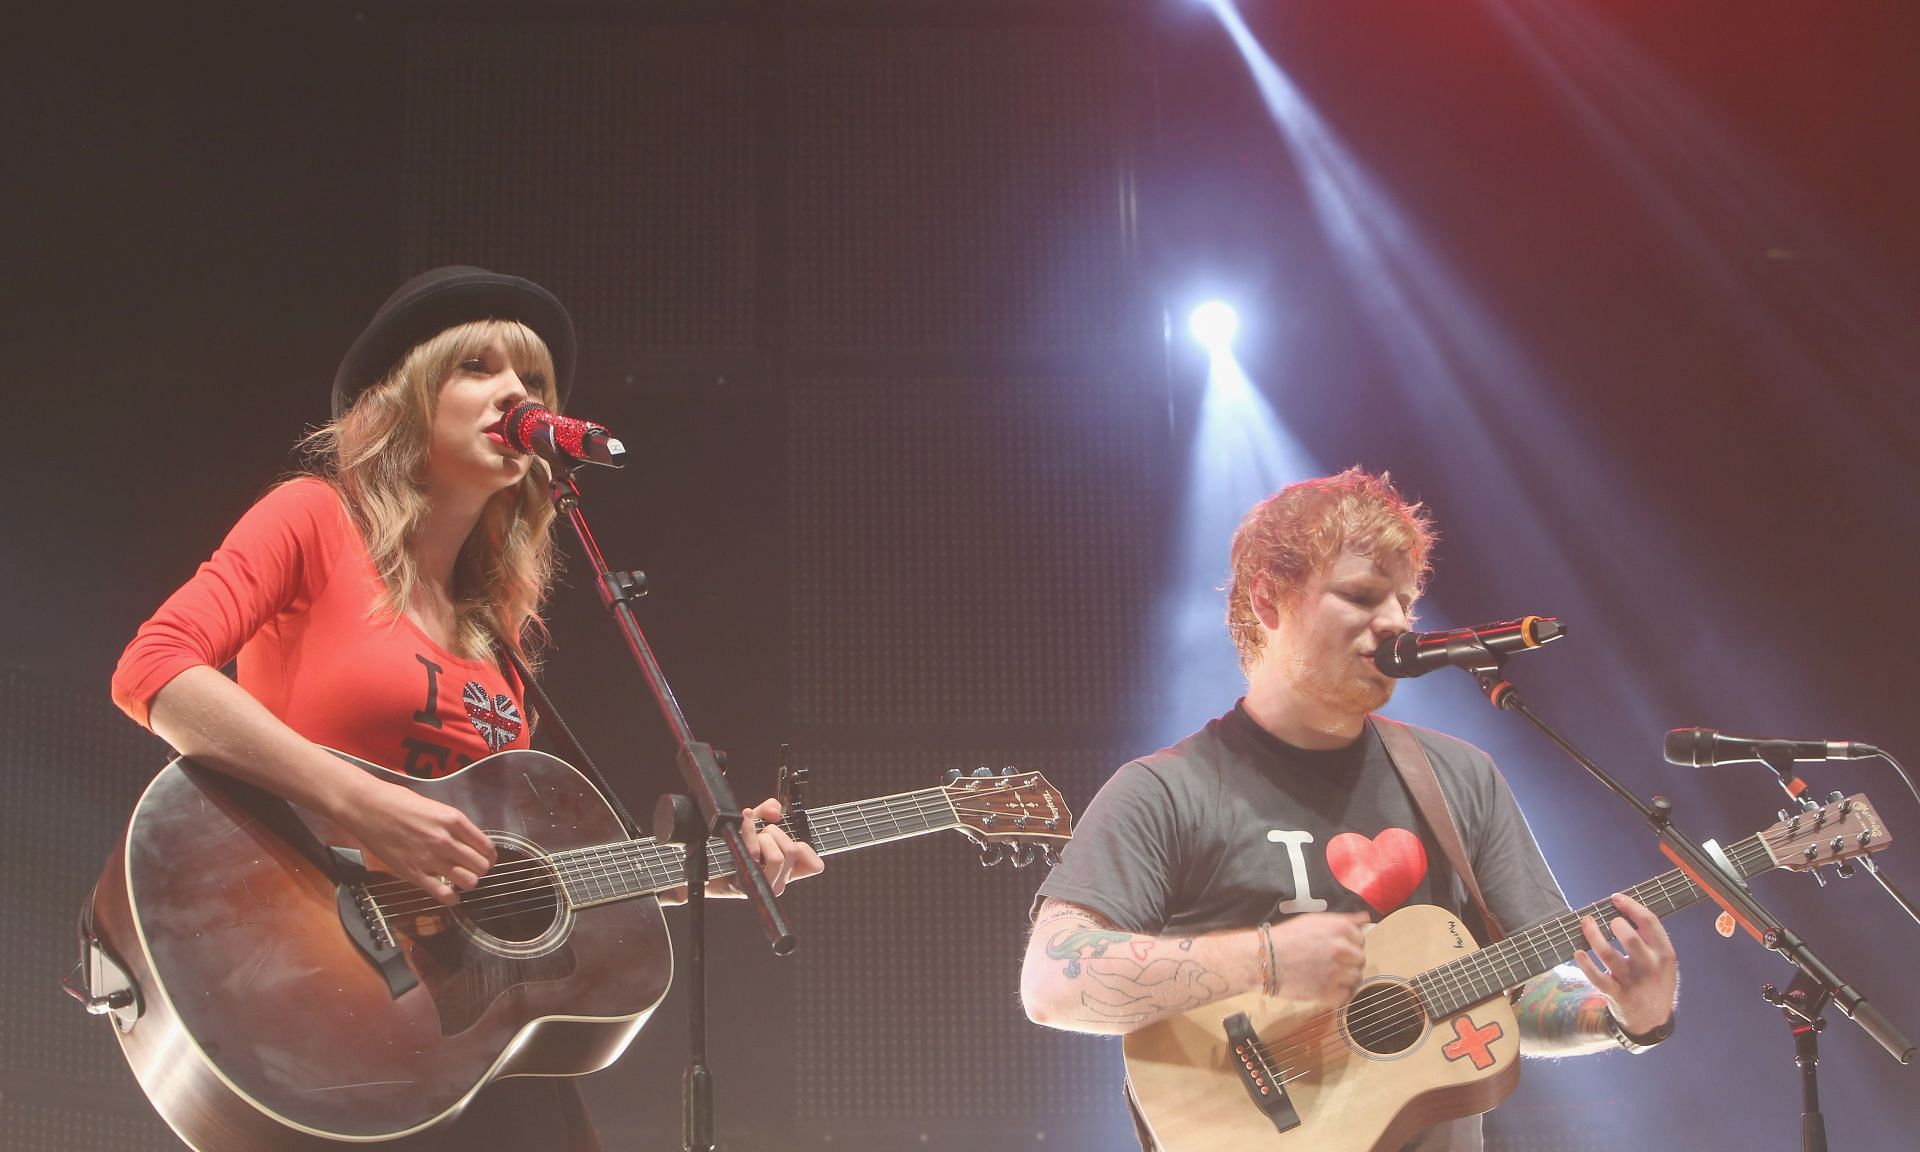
(711, 812)
(1701, 867)
(1802, 1004)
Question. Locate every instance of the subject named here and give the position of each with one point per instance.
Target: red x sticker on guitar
(1471, 1042)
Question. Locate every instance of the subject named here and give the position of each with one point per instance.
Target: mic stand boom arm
(1730, 893)
(698, 764)
(718, 815)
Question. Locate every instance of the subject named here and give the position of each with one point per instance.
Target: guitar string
(610, 867)
(935, 799)
(1563, 931)
(540, 893)
(1322, 1033)
(1467, 975)
(1396, 1013)
(489, 906)
(612, 864)
(542, 863)
(1460, 976)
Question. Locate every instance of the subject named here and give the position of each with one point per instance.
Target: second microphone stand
(1816, 982)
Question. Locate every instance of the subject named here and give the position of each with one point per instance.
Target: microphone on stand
(1418, 653)
(1706, 748)
(537, 429)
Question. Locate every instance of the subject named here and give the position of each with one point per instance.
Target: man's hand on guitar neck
(1083, 974)
(1634, 977)
(1636, 970)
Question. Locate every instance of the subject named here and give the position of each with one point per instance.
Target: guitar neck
(1520, 957)
(621, 869)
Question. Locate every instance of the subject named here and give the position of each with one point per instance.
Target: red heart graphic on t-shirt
(1383, 871)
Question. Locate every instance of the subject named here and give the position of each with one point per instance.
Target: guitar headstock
(1012, 815)
(1840, 829)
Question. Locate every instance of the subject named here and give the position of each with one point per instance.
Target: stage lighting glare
(1214, 325)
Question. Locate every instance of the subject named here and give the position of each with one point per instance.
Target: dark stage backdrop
(879, 296)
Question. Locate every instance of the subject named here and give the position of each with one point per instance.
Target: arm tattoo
(1069, 943)
(1131, 983)
(1561, 1013)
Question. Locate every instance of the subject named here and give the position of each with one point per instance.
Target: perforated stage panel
(73, 767)
(972, 555)
(965, 190)
(612, 160)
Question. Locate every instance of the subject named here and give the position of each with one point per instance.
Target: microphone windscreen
(1686, 745)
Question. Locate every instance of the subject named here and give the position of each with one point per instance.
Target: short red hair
(1298, 531)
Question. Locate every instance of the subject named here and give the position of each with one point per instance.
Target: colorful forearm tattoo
(1561, 1012)
(1128, 978)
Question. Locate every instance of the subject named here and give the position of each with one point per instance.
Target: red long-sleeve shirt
(293, 594)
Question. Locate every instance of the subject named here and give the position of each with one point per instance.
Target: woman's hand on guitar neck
(782, 859)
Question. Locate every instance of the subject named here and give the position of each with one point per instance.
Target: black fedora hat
(434, 301)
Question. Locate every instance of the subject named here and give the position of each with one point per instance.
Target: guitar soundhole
(1384, 1018)
(517, 902)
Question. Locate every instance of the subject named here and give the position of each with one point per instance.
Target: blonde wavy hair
(376, 456)
(1300, 529)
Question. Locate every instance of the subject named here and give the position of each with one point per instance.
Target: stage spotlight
(1214, 324)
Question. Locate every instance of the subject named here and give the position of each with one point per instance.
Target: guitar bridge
(1264, 1088)
(366, 924)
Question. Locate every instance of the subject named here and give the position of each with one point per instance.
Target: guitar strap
(1416, 772)
(567, 738)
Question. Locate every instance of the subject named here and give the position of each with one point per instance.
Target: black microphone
(1418, 653)
(535, 428)
(1705, 748)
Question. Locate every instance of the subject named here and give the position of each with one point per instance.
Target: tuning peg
(1051, 855)
(1844, 870)
(1023, 855)
(953, 775)
(991, 854)
(1836, 796)
(1009, 770)
(983, 772)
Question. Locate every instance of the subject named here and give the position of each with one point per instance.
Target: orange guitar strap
(1416, 772)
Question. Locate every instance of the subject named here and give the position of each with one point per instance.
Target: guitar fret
(1508, 963)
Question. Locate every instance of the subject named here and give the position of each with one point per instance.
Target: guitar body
(1356, 1086)
(264, 1025)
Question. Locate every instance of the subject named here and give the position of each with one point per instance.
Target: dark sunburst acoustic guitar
(271, 992)
(1428, 1036)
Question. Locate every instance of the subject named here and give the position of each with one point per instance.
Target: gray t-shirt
(1232, 826)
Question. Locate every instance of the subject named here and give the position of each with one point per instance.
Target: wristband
(1641, 1042)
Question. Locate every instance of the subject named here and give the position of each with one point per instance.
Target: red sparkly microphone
(535, 428)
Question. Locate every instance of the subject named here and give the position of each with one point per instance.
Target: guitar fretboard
(602, 873)
(1517, 959)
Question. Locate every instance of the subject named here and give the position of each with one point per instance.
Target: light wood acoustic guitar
(271, 992)
(1429, 1035)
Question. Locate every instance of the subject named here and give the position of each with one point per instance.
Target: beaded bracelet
(1269, 963)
